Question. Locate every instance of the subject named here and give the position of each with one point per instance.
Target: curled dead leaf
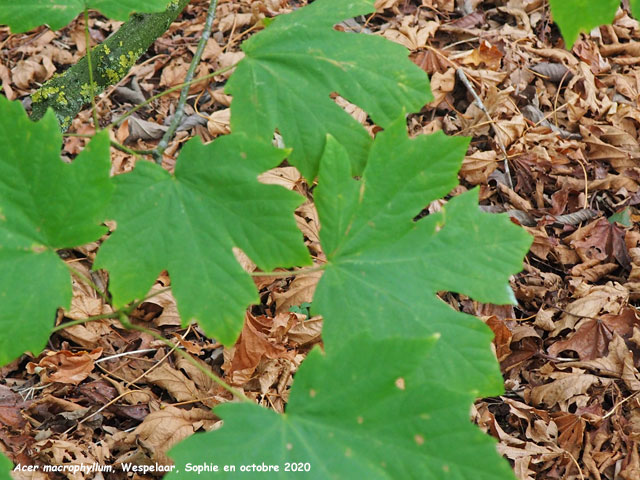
(65, 366)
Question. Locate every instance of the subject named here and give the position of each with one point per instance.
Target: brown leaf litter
(566, 122)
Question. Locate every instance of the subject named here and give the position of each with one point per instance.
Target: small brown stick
(179, 113)
(463, 78)
(615, 407)
(129, 384)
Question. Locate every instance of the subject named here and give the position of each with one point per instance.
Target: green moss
(112, 76)
(62, 99)
(107, 50)
(44, 93)
(129, 60)
(66, 122)
(85, 90)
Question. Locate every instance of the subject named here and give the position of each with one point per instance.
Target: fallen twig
(177, 116)
(463, 78)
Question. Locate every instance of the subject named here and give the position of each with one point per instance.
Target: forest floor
(566, 124)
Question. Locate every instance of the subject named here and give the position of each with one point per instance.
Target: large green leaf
(5, 467)
(292, 67)
(385, 269)
(24, 15)
(355, 413)
(44, 205)
(635, 8)
(188, 224)
(575, 16)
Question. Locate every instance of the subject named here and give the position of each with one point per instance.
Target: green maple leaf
(24, 15)
(292, 67)
(635, 8)
(188, 224)
(44, 205)
(592, 14)
(5, 468)
(373, 421)
(384, 269)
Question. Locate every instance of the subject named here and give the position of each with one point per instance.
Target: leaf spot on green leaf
(360, 420)
(38, 248)
(419, 439)
(312, 393)
(400, 383)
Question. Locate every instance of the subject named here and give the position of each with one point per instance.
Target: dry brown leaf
(219, 122)
(89, 335)
(65, 366)
(173, 381)
(287, 177)
(144, 130)
(300, 290)
(564, 388)
(227, 59)
(305, 332)
(163, 303)
(5, 76)
(252, 345)
(162, 429)
(83, 306)
(486, 54)
(206, 387)
(571, 428)
(477, 167)
(502, 337)
(26, 72)
(174, 73)
(604, 241)
(591, 302)
(618, 363)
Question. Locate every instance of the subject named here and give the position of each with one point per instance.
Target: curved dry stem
(236, 393)
(179, 113)
(168, 91)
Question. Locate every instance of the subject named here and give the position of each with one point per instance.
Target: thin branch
(114, 144)
(124, 148)
(236, 393)
(72, 323)
(125, 354)
(119, 120)
(177, 117)
(116, 314)
(158, 363)
(463, 78)
(88, 281)
(92, 84)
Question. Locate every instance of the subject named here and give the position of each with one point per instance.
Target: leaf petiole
(126, 323)
(168, 91)
(81, 276)
(287, 274)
